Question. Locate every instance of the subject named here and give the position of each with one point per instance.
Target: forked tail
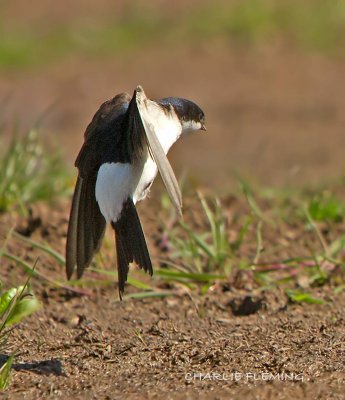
(130, 243)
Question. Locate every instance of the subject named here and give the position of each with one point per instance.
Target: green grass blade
(300, 297)
(138, 284)
(28, 269)
(23, 308)
(198, 240)
(259, 245)
(145, 295)
(196, 277)
(5, 372)
(45, 248)
(245, 227)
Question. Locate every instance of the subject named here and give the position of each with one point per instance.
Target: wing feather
(86, 227)
(158, 153)
(86, 223)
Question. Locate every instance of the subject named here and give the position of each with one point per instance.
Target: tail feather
(81, 234)
(130, 243)
(86, 227)
(71, 244)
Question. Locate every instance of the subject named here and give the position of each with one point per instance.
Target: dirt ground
(181, 347)
(274, 114)
(236, 341)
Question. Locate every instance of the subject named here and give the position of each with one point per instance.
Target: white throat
(190, 126)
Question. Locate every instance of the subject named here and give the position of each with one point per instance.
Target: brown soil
(181, 347)
(274, 114)
(237, 341)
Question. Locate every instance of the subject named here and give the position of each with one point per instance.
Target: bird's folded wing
(157, 151)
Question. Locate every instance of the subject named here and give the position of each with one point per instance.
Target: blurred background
(268, 74)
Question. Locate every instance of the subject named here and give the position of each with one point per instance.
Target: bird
(125, 145)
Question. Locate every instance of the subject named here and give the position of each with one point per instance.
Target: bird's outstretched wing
(104, 139)
(86, 223)
(144, 107)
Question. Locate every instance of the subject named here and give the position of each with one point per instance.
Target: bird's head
(194, 120)
(191, 116)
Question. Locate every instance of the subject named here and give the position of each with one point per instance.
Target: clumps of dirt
(238, 340)
(246, 305)
(180, 346)
(29, 225)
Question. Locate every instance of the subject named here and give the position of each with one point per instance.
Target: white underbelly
(116, 182)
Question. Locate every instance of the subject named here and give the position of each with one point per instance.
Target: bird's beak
(203, 128)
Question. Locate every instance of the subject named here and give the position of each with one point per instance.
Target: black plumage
(130, 243)
(118, 134)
